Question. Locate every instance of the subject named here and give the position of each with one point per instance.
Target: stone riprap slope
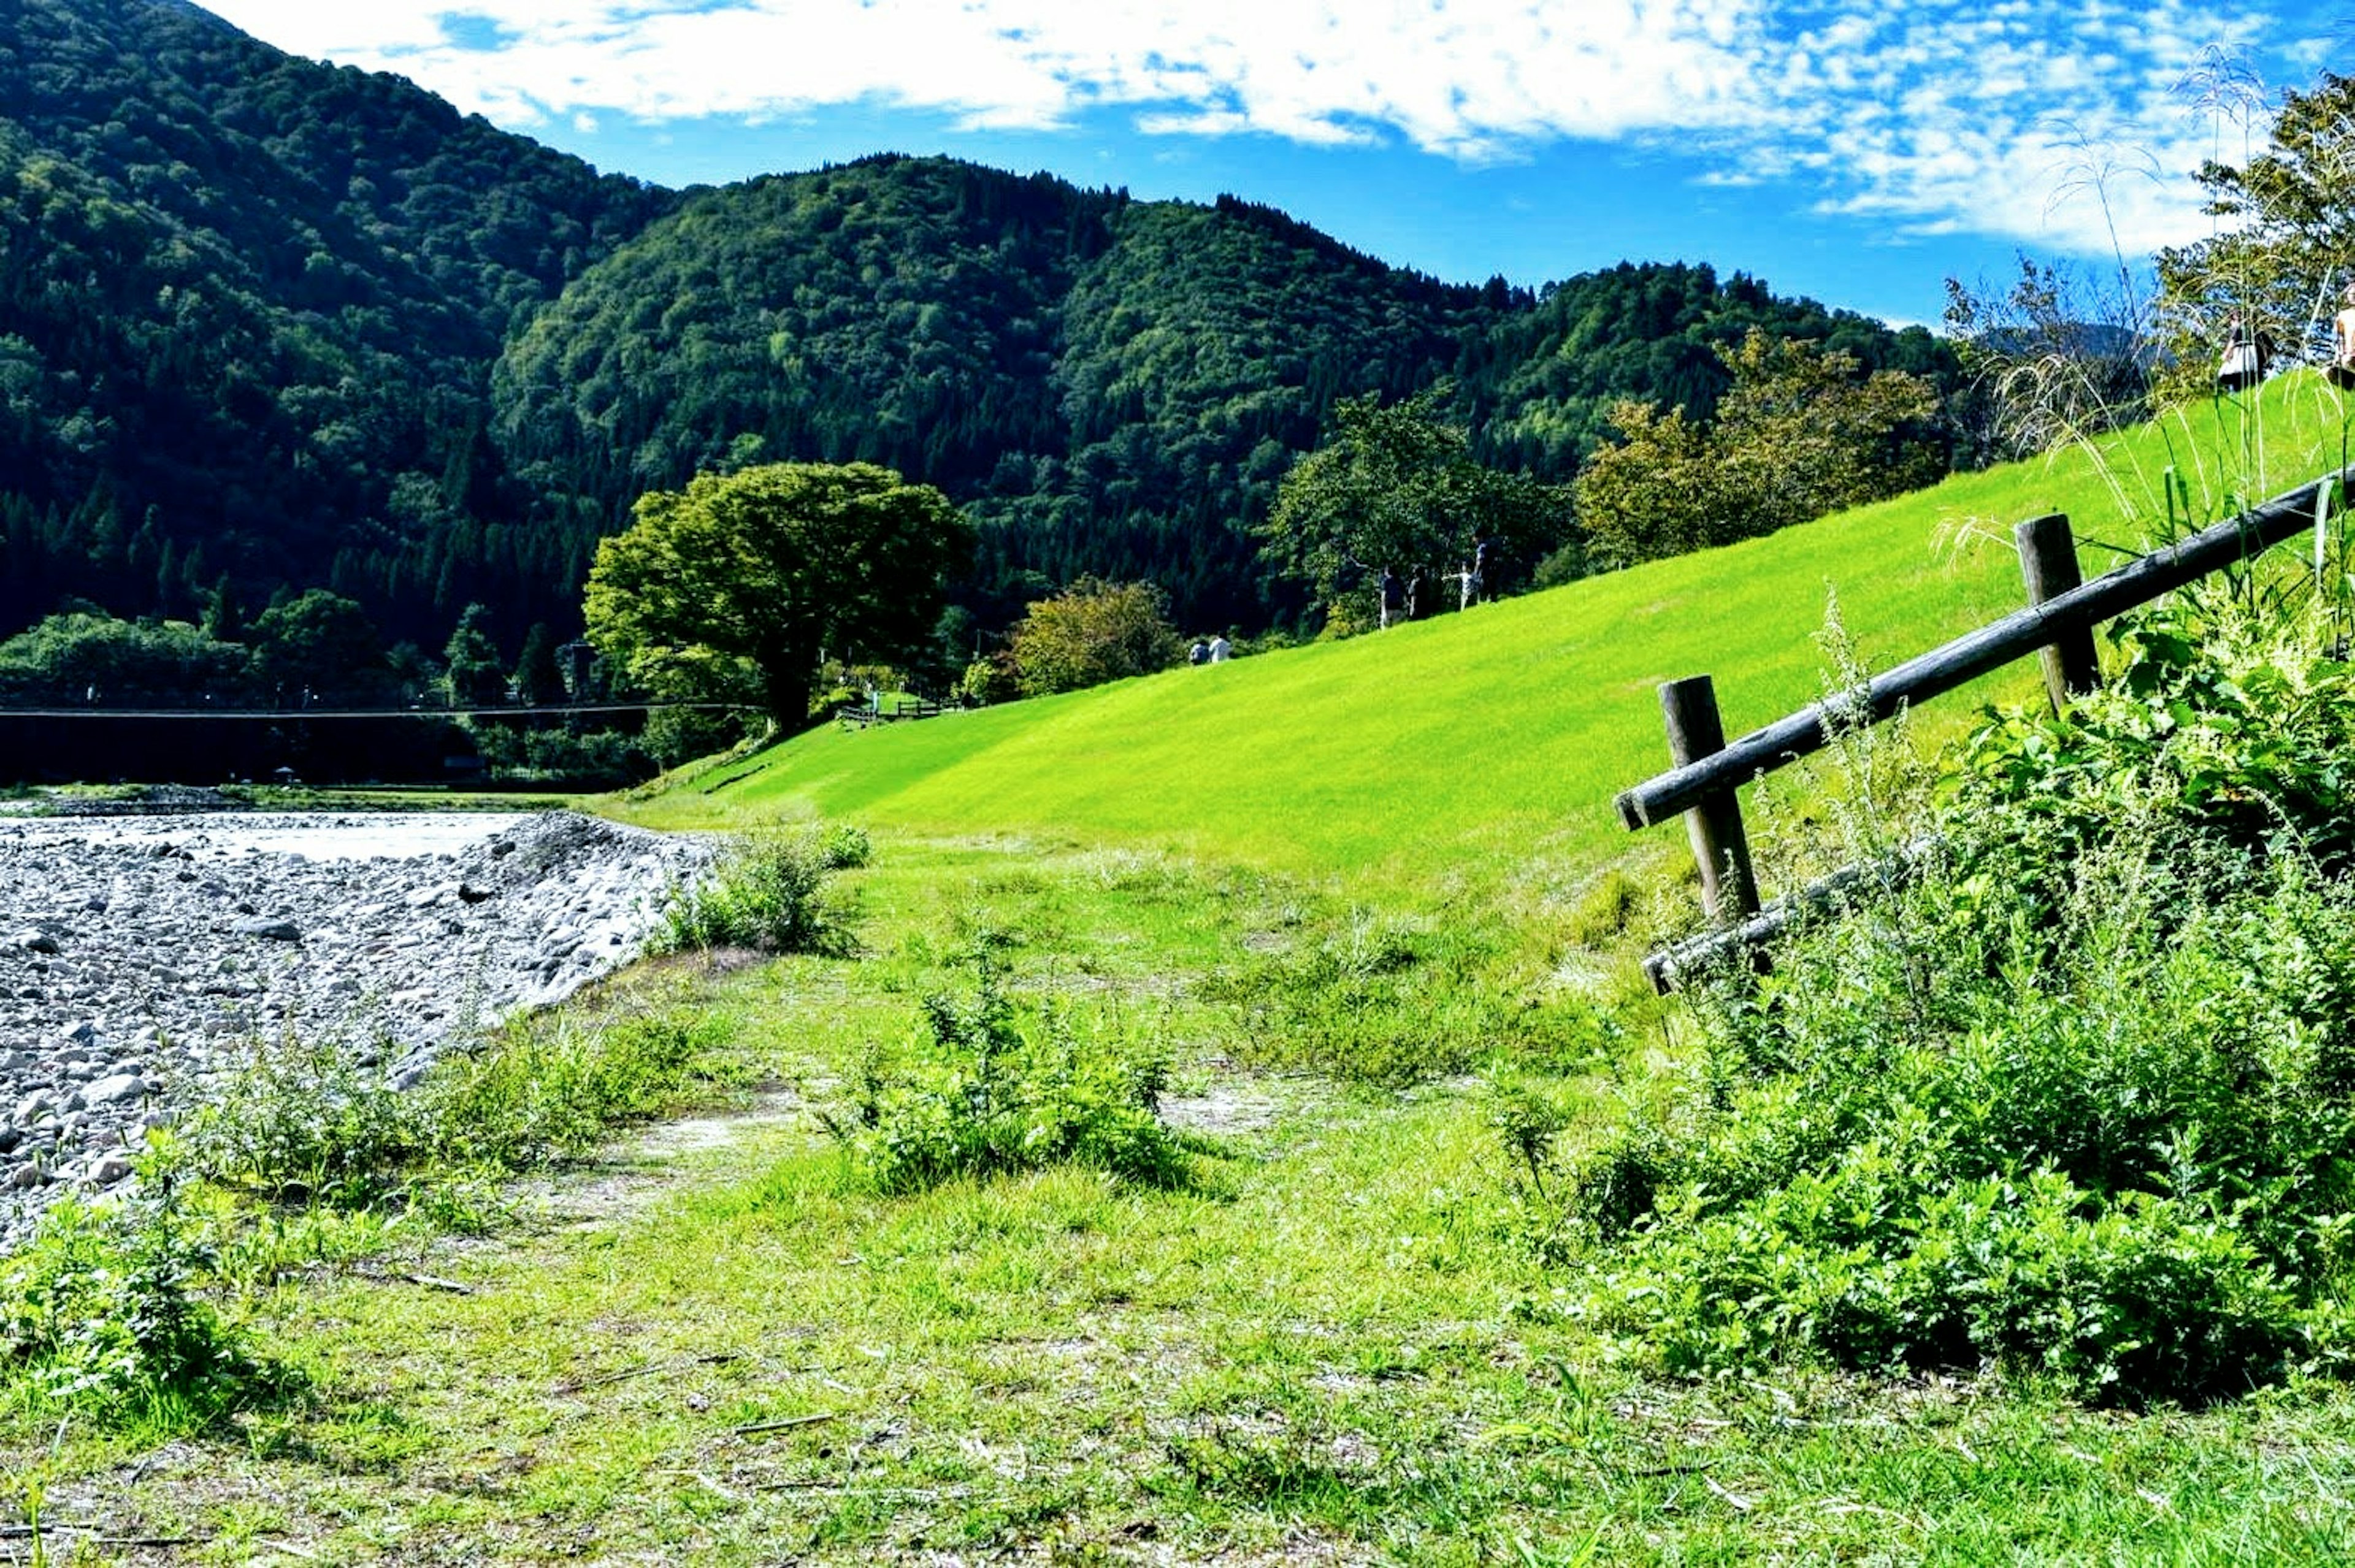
(138, 954)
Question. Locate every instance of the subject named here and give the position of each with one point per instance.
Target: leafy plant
(989, 1085)
(547, 1088)
(766, 893)
(301, 1118)
(305, 1122)
(1091, 633)
(2076, 1101)
(100, 1312)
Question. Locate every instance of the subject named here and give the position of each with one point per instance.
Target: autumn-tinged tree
(742, 582)
(1801, 433)
(1811, 434)
(1091, 633)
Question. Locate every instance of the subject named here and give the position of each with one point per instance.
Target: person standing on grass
(1222, 650)
(1393, 597)
(2247, 353)
(2342, 341)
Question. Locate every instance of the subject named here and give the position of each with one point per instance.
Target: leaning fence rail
(2057, 624)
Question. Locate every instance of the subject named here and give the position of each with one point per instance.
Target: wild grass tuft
(989, 1085)
(1394, 1000)
(300, 1121)
(302, 1154)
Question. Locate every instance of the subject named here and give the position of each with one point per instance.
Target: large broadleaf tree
(741, 583)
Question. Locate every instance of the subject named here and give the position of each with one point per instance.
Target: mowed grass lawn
(1498, 738)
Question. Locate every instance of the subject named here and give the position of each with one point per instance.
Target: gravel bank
(135, 952)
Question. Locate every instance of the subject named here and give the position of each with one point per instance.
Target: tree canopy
(1091, 632)
(1803, 431)
(752, 577)
(1397, 487)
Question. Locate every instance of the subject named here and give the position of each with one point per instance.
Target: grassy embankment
(1496, 742)
(1332, 1343)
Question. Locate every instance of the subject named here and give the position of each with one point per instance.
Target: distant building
(576, 665)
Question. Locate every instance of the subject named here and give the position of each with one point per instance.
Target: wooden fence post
(1729, 889)
(2047, 564)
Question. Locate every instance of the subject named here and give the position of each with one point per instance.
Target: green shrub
(101, 1313)
(301, 1122)
(766, 893)
(296, 1119)
(987, 1087)
(548, 1088)
(2077, 1101)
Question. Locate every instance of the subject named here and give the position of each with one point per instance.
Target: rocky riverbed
(139, 955)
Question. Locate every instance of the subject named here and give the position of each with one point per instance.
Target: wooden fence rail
(2056, 624)
(859, 715)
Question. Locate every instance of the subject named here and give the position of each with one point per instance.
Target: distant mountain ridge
(264, 321)
(248, 313)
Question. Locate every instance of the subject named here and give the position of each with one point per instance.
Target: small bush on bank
(989, 1085)
(100, 1314)
(299, 1119)
(548, 1089)
(767, 893)
(304, 1121)
(2078, 1102)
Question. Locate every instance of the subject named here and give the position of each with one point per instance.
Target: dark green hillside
(1652, 333)
(1204, 350)
(1114, 386)
(1111, 384)
(246, 316)
(896, 311)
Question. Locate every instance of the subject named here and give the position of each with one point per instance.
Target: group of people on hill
(2249, 350)
(1211, 650)
(1402, 599)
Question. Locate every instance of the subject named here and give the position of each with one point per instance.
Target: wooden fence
(2057, 624)
(858, 715)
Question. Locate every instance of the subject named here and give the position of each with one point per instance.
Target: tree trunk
(786, 676)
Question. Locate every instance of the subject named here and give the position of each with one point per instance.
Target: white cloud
(1930, 116)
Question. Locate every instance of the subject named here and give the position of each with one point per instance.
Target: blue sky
(1859, 151)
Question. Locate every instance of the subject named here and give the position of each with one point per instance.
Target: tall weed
(302, 1121)
(767, 893)
(102, 1314)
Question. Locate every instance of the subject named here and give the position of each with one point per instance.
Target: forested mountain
(266, 322)
(248, 309)
(1115, 387)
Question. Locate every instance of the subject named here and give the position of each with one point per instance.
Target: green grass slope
(1475, 740)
